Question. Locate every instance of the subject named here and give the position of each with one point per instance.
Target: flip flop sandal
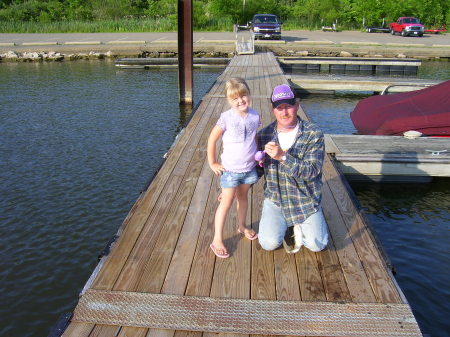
(251, 238)
(214, 249)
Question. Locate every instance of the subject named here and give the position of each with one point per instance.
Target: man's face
(286, 115)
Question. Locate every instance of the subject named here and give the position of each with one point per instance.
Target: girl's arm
(214, 136)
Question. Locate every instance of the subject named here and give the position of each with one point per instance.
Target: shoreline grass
(134, 25)
(109, 26)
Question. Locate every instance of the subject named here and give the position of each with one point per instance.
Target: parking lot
(287, 36)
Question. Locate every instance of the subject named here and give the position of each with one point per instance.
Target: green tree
(161, 8)
(111, 9)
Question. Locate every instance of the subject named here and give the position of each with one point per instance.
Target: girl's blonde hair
(236, 86)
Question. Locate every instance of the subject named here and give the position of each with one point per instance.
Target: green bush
(209, 15)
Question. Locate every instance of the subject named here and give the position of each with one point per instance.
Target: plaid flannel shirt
(295, 184)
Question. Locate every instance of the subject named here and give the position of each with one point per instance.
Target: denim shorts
(233, 179)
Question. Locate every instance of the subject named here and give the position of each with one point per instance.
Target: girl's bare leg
(219, 220)
(242, 206)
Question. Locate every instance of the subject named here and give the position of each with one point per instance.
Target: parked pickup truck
(265, 26)
(406, 26)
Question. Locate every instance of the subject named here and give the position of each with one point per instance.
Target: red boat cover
(426, 110)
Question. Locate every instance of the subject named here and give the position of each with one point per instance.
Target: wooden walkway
(162, 254)
(390, 157)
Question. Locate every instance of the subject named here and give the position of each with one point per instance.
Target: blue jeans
(273, 226)
(234, 179)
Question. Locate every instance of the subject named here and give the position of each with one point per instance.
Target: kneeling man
(294, 149)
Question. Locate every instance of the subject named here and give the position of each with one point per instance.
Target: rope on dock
(245, 316)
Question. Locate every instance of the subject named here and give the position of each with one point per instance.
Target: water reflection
(412, 222)
(78, 142)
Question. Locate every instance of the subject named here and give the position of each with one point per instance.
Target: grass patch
(103, 26)
(111, 26)
(133, 25)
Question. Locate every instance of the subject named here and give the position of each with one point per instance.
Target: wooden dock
(331, 84)
(390, 158)
(355, 64)
(161, 279)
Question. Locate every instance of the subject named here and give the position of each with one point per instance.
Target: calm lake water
(80, 140)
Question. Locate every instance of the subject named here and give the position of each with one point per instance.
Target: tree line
(310, 14)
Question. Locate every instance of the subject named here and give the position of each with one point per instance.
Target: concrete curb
(163, 41)
(270, 42)
(39, 43)
(125, 42)
(405, 44)
(216, 41)
(361, 43)
(82, 43)
(313, 42)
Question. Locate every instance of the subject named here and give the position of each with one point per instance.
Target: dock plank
(136, 220)
(309, 277)
(354, 273)
(376, 269)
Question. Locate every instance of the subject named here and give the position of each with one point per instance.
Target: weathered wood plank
(132, 332)
(103, 330)
(263, 269)
(375, 267)
(78, 329)
(178, 272)
(202, 269)
(354, 273)
(162, 253)
(309, 278)
(118, 256)
(142, 250)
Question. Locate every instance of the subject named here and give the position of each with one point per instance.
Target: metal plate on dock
(245, 316)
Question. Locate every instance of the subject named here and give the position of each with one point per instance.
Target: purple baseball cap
(282, 94)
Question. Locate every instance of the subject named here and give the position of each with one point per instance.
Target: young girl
(237, 127)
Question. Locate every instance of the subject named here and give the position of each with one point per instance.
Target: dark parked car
(266, 26)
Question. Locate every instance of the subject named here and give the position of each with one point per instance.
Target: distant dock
(161, 279)
(390, 158)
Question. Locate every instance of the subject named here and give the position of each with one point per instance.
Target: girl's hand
(217, 168)
(259, 157)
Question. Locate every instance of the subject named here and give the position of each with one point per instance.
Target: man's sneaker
(289, 241)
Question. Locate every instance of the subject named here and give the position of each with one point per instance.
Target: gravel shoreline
(225, 49)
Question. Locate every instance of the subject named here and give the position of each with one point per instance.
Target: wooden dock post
(185, 51)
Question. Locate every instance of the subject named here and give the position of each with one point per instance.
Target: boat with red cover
(426, 110)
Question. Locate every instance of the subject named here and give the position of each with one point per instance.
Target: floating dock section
(168, 62)
(330, 84)
(162, 279)
(390, 158)
(352, 64)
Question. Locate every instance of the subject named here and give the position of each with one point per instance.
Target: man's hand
(274, 151)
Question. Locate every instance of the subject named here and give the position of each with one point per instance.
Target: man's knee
(268, 243)
(317, 247)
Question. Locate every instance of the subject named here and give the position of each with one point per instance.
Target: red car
(406, 26)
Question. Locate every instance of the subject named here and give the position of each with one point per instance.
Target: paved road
(288, 36)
